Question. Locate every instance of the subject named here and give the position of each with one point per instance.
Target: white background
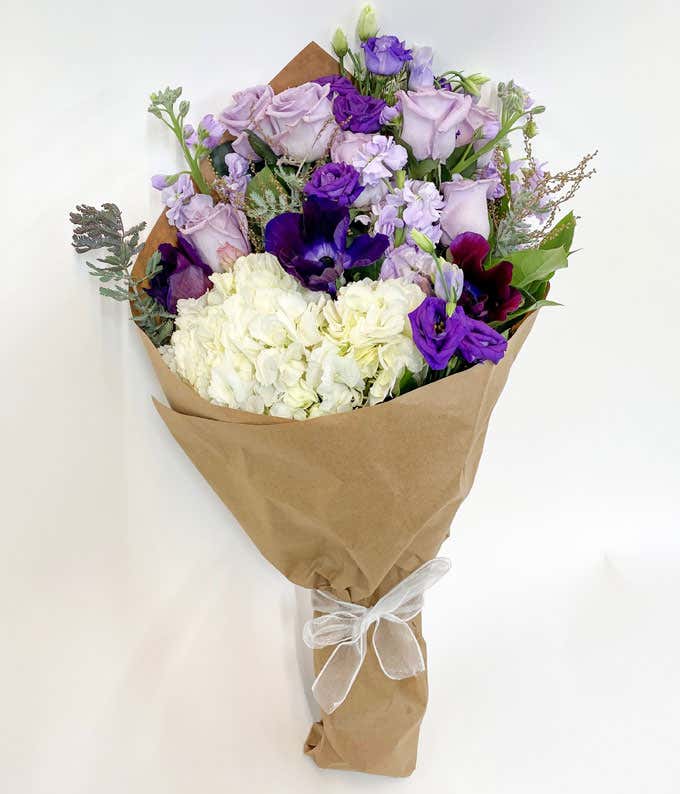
(146, 646)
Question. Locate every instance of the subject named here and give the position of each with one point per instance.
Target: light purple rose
(478, 117)
(465, 209)
(302, 122)
(432, 119)
(246, 112)
(421, 76)
(213, 227)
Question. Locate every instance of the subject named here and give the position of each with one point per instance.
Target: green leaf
(261, 148)
(561, 235)
(217, 158)
(421, 168)
(263, 183)
(535, 264)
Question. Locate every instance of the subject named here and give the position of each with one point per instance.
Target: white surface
(554, 649)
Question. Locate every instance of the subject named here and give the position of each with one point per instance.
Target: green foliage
(536, 264)
(562, 234)
(97, 229)
(261, 148)
(217, 156)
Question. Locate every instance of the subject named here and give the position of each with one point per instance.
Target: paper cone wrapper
(352, 502)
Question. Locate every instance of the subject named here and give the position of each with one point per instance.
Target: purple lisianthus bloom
(385, 55)
(312, 246)
(435, 334)
(481, 343)
(487, 293)
(338, 85)
(358, 113)
(337, 182)
(439, 337)
(183, 274)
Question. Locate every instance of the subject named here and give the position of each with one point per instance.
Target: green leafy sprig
(163, 107)
(97, 229)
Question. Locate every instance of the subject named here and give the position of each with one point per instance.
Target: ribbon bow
(346, 625)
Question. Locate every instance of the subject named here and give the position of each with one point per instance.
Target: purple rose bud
(358, 113)
(385, 55)
(337, 182)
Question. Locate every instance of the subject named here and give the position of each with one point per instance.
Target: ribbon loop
(346, 625)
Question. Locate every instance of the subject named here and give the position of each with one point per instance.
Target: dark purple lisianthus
(481, 342)
(487, 294)
(435, 334)
(338, 85)
(358, 113)
(385, 54)
(312, 246)
(183, 274)
(337, 182)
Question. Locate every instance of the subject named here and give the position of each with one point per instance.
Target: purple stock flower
(183, 274)
(439, 337)
(339, 85)
(159, 181)
(385, 55)
(175, 197)
(210, 131)
(337, 182)
(312, 246)
(358, 113)
(487, 294)
(435, 334)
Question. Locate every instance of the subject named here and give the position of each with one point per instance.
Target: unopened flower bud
(530, 129)
(339, 43)
(367, 27)
(423, 242)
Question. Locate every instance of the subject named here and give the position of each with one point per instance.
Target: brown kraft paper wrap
(352, 502)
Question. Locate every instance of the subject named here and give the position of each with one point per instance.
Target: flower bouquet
(332, 300)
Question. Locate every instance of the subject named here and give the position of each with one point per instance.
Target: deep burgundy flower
(487, 294)
(337, 182)
(338, 84)
(312, 246)
(183, 274)
(385, 55)
(435, 334)
(358, 113)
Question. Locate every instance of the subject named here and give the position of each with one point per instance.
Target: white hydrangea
(261, 342)
(369, 324)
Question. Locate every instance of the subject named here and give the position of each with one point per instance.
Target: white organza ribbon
(345, 625)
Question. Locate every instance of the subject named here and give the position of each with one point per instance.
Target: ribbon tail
(333, 683)
(397, 649)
